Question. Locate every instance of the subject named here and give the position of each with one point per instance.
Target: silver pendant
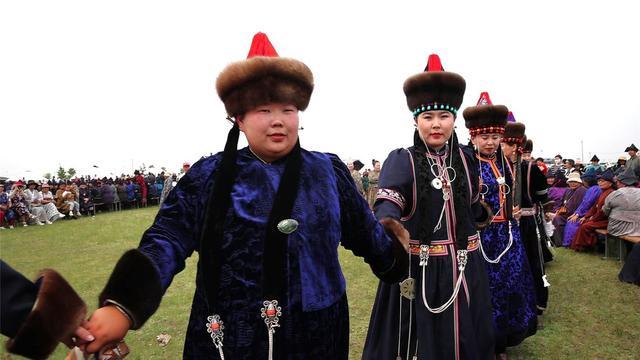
(215, 327)
(287, 226)
(408, 288)
(271, 313)
(501, 180)
(436, 184)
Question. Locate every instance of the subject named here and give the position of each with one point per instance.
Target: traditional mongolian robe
(315, 320)
(406, 328)
(595, 218)
(571, 227)
(570, 201)
(534, 199)
(556, 194)
(510, 280)
(372, 192)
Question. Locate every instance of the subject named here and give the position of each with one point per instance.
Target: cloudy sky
(121, 83)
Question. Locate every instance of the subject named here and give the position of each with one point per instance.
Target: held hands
(396, 228)
(108, 325)
(516, 213)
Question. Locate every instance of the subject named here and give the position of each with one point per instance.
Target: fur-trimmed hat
(528, 146)
(514, 131)
(434, 89)
(264, 78)
(485, 118)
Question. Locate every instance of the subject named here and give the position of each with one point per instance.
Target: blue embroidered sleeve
(361, 231)
(396, 192)
(175, 232)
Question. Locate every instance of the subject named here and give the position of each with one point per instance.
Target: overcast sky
(121, 83)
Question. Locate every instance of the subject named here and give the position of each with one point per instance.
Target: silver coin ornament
(436, 183)
(501, 180)
(408, 288)
(287, 226)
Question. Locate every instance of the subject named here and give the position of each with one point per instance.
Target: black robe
(464, 330)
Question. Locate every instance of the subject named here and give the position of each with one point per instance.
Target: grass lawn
(591, 315)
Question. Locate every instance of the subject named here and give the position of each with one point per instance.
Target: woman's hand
(108, 325)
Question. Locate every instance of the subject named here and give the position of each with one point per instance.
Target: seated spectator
(588, 200)
(623, 207)
(34, 201)
(85, 198)
(569, 203)
(49, 204)
(595, 218)
(70, 199)
(6, 214)
(19, 203)
(557, 188)
(108, 193)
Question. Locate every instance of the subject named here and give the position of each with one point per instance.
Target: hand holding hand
(108, 325)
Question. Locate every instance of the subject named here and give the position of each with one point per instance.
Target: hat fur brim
(244, 85)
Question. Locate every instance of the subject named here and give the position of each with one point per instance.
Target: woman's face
(574, 185)
(487, 144)
(376, 166)
(604, 184)
(350, 165)
(271, 130)
(550, 181)
(435, 127)
(508, 149)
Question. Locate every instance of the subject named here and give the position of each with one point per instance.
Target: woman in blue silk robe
(590, 197)
(266, 221)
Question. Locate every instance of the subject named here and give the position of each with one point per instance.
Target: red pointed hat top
(261, 46)
(484, 99)
(510, 117)
(434, 63)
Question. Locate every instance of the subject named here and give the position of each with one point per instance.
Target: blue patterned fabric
(330, 212)
(512, 292)
(589, 199)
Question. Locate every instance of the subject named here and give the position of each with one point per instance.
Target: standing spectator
(596, 218)
(557, 165)
(108, 192)
(527, 148)
(633, 164)
(34, 201)
(569, 167)
(139, 180)
(595, 165)
(620, 166)
(19, 203)
(185, 167)
(374, 175)
(354, 168)
(49, 204)
(169, 183)
(542, 166)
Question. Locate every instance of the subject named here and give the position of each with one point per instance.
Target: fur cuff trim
(56, 314)
(398, 270)
(135, 286)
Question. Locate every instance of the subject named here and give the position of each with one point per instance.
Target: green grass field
(591, 315)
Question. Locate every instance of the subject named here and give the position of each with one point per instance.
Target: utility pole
(582, 150)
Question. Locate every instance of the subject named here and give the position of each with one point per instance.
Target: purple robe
(556, 194)
(571, 199)
(589, 199)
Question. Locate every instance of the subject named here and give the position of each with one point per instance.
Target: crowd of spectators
(42, 203)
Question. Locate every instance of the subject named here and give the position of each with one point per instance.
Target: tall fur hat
(514, 131)
(264, 78)
(485, 118)
(434, 89)
(528, 146)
